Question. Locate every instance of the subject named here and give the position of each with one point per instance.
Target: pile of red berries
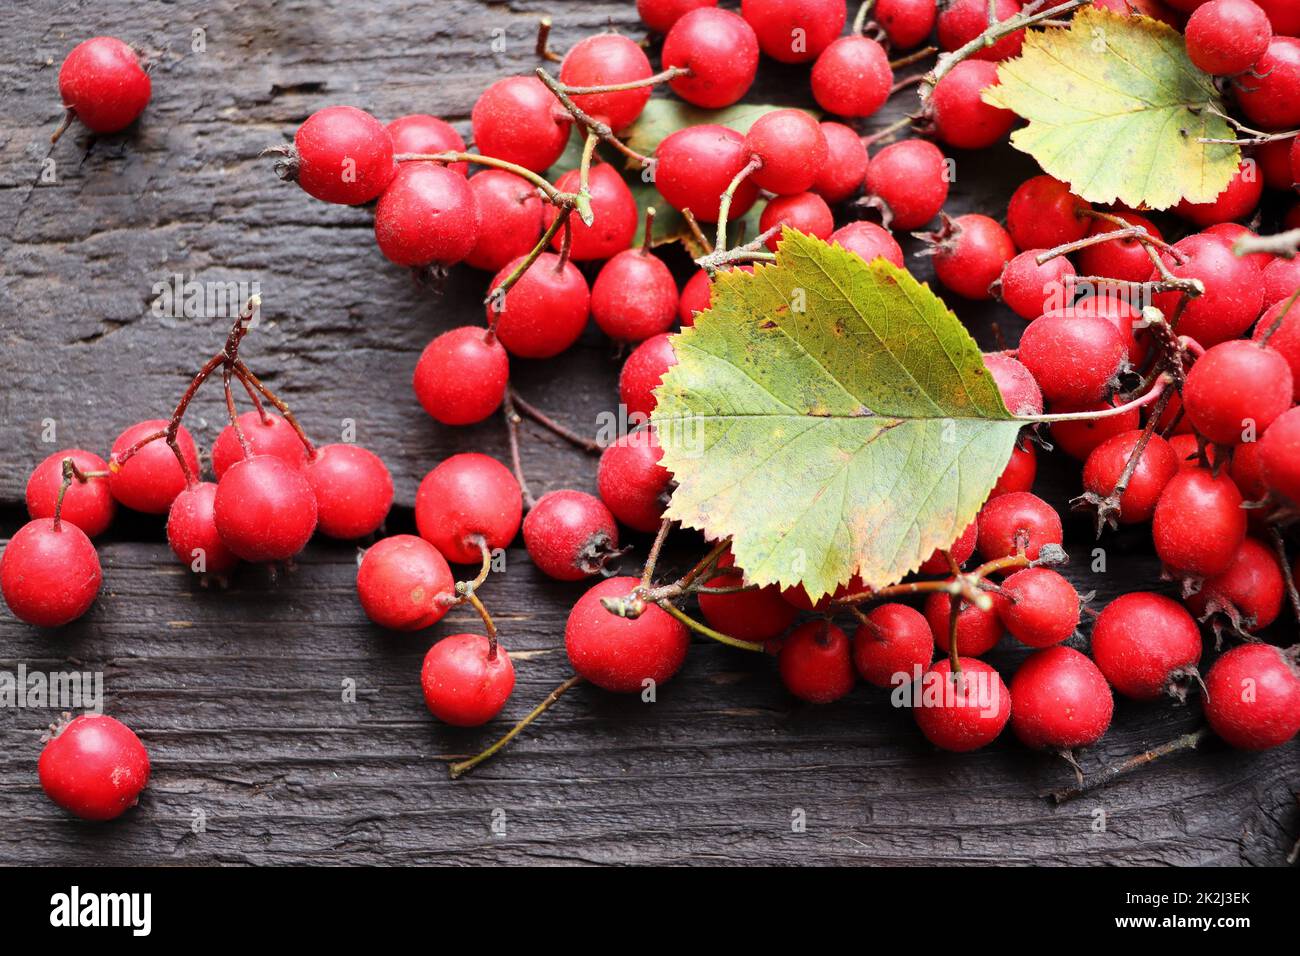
(1138, 360)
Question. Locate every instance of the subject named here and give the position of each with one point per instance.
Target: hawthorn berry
(264, 509)
(94, 766)
(846, 164)
(961, 117)
(1246, 470)
(1030, 289)
(518, 119)
(152, 477)
(909, 180)
(797, 596)
(103, 83)
(1019, 474)
(1074, 360)
(1238, 199)
(1059, 699)
(343, 155)
(961, 21)
(544, 312)
(1123, 259)
(970, 252)
(266, 434)
(614, 209)
(1019, 390)
(466, 679)
(1043, 214)
(608, 59)
(620, 654)
(1279, 456)
(721, 51)
(461, 376)
(695, 166)
(421, 134)
(791, 146)
(1249, 593)
(1283, 14)
(1227, 36)
(869, 242)
(1146, 645)
(1285, 339)
(757, 615)
(1198, 523)
(1079, 439)
(570, 535)
(660, 15)
(1252, 697)
(892, 644)
(978, 631)
(816, 663)
(1274, 159)
(794, 31)
(1038, 606)
(969, 709)
(1281, 279)
(1232, 231)
(695, 298)
(426, 216)
(509, 218)
(404, 583)
(1187, 451)
(468, 503)
(852, 77)
(1009, 523)
(49, 573)
(1234, 387)
(960, 550)
(634, 296)
(192, 531)
(1124, 315)
(632, 483)
(907, 23)
(642, 372)
(353, 490)
(1157, 464)
(1268, 96)
(806, 212)
(87, 504)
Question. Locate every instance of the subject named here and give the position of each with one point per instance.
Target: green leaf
(831, 416)
(670, 225)
(1115, 109)
(664, 116)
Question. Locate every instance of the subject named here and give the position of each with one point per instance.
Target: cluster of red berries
(1221, 428)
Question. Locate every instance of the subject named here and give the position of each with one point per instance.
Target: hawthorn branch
(1284, 244)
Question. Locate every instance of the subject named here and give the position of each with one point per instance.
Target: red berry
(404, 583)
(1246, 470)
(344, 155)
(642, 372)
(1232, 231)
(1019, 474)
(1238, 199)
(1146, 645)
(1269, 96)
(910, 179)
(1285, 340)
(964, 20)
(152, 477)
(721, 51)
(468, 502)
(961, 117)
(961, 551)
(1008, 523)
(794, 31)
(696, 164)
(1030, 289)
(422, 134)
(353, 490)
(49, 575)
(509, 218)
(696, 296)
(94, 767)
(970, 252)
(846, 164)
(617, 653)
(1249, 593)
(791, 146)
(815, 663)
(102, 81)
(192, 531)
(606, 60)
(1237, 387)
(892, 645)
(1039, 607)
(1274, 159)
(615, 213)
(869, 242)
(1281, 279)
(274, 436)
(461, 376)
(1074, 360)
(1252, 697)
(545, 311)
(518, 119)
(570, 535)
(466, 682)
(660, 15)
(852, 77)
(1233, 294)
(1059, 699)
(1123, 315)
(1227, 36)
(962, 712)
(634, 296)
(798, 597)
(1186, 451)
(632, 483)
(907, 23)
(265, 510)
(87, 504)
(426, 216)
(1123, 259)
(1198, 523)
(1283, 14)
(806, 212)
(757, 615)
(1079, 439)
(1020, 392)
(1279, 456)
(1156, 466)
(1043, 213)
(978, 631)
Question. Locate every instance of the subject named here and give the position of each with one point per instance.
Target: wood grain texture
(238, 694)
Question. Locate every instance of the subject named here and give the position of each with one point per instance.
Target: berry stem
(649, 230)
(911, 58)
(1277, 323)
(701, 628)
(694, 225)
(490, 627)
(594, 126)
(71, 473)
(497, 297)
(860, 18)
(257, 403)
(1283, 244)
(234, 415)
(583, 205)
(243, 372)
(671, 73)
(724, 206)
(465, 766)
(1108, 508)
(1293, 595)
(69, 114)
(544, 50)
(586, 444)
(1185, 742)
(513, 421)
(888, 131)
(652, 559)
(954, 659)
(553, 195)
(1162, 381)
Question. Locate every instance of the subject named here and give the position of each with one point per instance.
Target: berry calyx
(965, 711)
(87, 504)
(815, 663)
(264, 509)
(1249, 594)
(49, 573)
(343, 155)
(1020, 521)
(466, 679)
(1147, 646)
(1252, 697)
(353, 490)
(622, 654)
(103, 83)
(570, 535)
(468, 503)
(1060, 700)
(94, 767)
(892, 644)
(269, 435)
(404, 583)
(461, 376)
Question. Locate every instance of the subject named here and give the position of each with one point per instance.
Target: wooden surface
(238, 694)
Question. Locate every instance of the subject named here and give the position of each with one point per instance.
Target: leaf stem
(1162, 381)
